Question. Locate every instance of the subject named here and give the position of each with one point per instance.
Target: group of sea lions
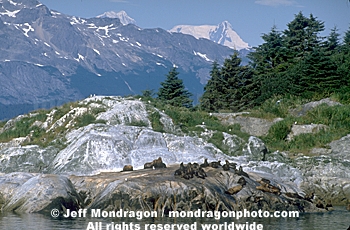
(226, 167)
(190, 170)
(194, 169)
(157, 164)
(265, 186)
(235, 189)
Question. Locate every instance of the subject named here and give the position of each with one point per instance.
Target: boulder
(304, 129)
(340, 148)
(302, 110)
(234, 144)
(255, 149)
(251, 125)
(27, 193)
(327, 177)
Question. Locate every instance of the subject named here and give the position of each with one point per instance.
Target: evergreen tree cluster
(231, 87)
(297, 61)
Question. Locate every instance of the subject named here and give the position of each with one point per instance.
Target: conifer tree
(302, 35)
(238, 89)
(269, 62)
(332, 43)
(343, 60)
(173, 91)
(213, 91)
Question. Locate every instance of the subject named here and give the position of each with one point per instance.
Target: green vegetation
(2, 123)
(29, 125)
(87, 119)
(337, 118)
(154, 117)
(24, 127)
(230, 88)
(138, 123)
(193, 122)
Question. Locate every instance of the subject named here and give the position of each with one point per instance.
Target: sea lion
(128, 168)
(148, 165)
(195, 166)
(180, 171)
(226, 166)
(187, 172)
(242, 181)
(309, 196)
(205, 164)
(293, 195)
(241, 172)
(329, 205)
(232, 165)
(158, 163)
(215, 164)
(264, 181)
(269, 188)
(234, 189)
(319, 204)
(200, 173)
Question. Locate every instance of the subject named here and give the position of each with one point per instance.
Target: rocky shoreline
(146, 190)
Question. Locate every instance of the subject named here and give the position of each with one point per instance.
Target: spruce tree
(332, 44)
(173, 91)
(343, 61)
(213, 91)
(269, 55)
(269, 62)
(237, 80)
(302, 35)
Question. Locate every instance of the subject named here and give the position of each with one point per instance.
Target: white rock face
(222, 33)
(100, 147)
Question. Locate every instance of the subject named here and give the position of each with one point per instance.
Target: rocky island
(73, 158)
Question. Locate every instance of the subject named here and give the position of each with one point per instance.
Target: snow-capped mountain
(222, 34)
(48, 58)
(124, 18)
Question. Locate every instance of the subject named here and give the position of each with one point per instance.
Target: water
(338, 219)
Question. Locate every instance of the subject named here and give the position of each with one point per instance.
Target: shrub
(155, 121)
(85, 120)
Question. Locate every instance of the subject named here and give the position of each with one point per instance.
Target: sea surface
(337, 219)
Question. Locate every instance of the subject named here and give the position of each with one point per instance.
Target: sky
(249, 18)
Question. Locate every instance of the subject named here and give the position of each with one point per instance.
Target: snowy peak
(124, 18)
(222, 34)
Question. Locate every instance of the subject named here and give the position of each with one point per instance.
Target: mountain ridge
(54, 58)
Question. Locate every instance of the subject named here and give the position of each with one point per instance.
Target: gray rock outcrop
(251, 125)
(302, 110)
(340, 148)
(296, 130)
(27, 193)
